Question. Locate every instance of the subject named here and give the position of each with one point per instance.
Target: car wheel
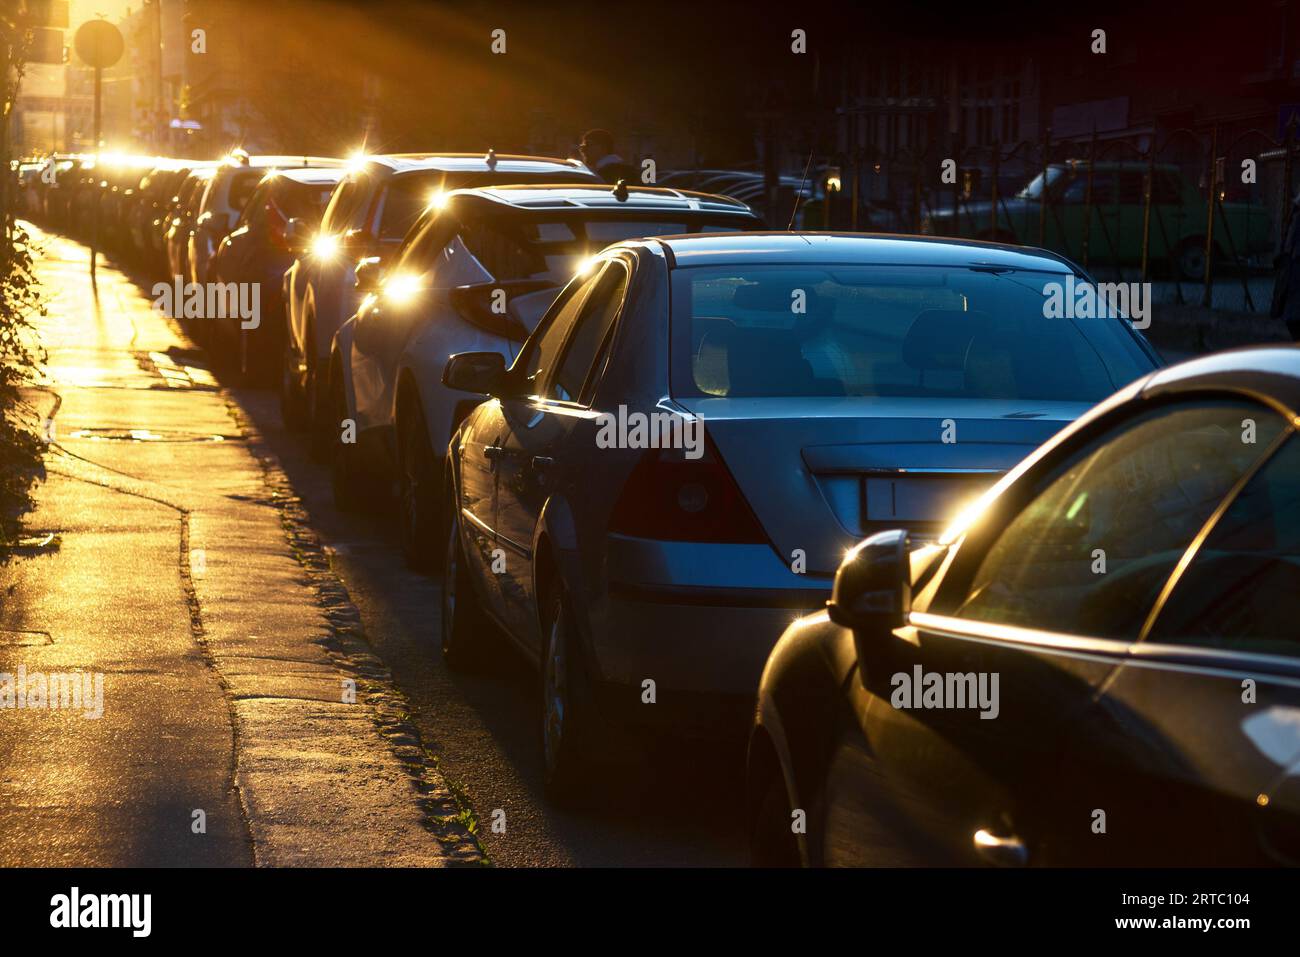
(1191, 259)
(568, 711)
(772, 842)
(346, 474)
(322, 423)
(292, 407)
(464, 626)
(420, 491)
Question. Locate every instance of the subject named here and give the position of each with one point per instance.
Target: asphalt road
(682, 806)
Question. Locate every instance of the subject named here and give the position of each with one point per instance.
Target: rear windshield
(305, 201)
(409, 195)
(241, 188)
(916, 331)
(519, 247)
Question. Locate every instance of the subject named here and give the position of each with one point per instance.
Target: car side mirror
(482, 372)
(370, 273)
(872, 594)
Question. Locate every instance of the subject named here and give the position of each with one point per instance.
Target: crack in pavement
(196, 632)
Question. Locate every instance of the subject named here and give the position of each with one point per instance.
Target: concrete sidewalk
(244, 721)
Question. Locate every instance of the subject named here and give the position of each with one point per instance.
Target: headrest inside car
(939, 338)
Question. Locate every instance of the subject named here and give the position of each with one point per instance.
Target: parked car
(224, 199)
(1177, 229)
(180, 226)
(1133, 586)
(259, 250)
(57, 196)
(152, 203)
(824, 372)
(371, 212)
(118, 179)
(476, 273)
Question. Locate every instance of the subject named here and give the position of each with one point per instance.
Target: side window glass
(419, 253)
(1167, 191)
(544, 348)
(1131, 187)
(500, 251)
(1103, 187)
(255, 207)
(1091, 552)
(589, 333)
(1241, 592)
(336, 212)
(1077, 190)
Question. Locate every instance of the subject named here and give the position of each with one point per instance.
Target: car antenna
(491, 159)
(795, 209)
(620, 191)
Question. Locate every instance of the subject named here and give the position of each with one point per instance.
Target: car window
(304, 201)
(1090, 553)
(255, 209)
(1132, 187)
(340, 206)
(242, 186)
(1167, 189)
(418, 252)
(750, 330)
(502, 251)
(404, 199)
(589, 333)
(1242, 590)
(545, 345)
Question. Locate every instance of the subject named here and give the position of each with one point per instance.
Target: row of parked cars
(979, 586)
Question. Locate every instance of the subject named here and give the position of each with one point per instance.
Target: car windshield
(916, 331)
(1034, 189)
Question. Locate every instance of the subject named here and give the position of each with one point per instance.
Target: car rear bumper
(699, 621)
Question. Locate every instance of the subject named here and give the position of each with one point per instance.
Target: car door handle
(493, 452)
(542, 463)
(1000, 851)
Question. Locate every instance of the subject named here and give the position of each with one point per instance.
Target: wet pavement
(236, 723)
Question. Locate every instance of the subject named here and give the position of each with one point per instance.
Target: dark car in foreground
(678, 458)
(1098, 664)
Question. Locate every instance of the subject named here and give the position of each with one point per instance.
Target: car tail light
(481, 305)
(672, 498)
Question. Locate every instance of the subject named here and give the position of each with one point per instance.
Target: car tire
(293, 408)
(322, 422)
(771, 841)
(347, 477)
(568, 712)
(1189, 259)
(464, 627)
(419, 492)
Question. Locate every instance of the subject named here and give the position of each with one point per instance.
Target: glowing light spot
(325, 246)
(402, 288)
